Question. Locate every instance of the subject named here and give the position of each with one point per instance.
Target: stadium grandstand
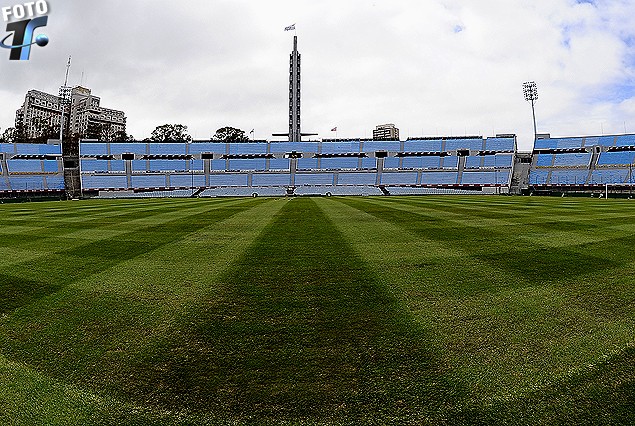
(583, 164)
(351, 167)
(417, 166)
(31, 170)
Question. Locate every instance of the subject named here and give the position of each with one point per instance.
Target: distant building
(41, 113)
(386, 132)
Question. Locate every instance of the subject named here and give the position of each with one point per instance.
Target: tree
(171, 133)
(94, 130)
(230, 134)
(19, 136)
(8, 136)
(121, 136)
(44, 130)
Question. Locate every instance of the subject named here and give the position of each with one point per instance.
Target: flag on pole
(290, 28)
(334, 129)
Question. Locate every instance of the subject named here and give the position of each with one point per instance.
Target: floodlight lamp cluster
(530, 90)
(65, 95)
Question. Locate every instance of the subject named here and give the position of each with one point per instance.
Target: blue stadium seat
(423, 146)
(504, 161)
(140, 165)
(375, 146)
(474, 162)
(229, 179)
(52, 166)
(168, 149)
(149, 181)
(460, 144)
(439, 178)
(279, 164)
(117, 166)
(569, 177)
(307, 164)
(340, 147)
(616, 158)
(338, 163)
(38, 149)
(391, 163)
(218, 165)
(450, 162)
(92, 166)
(607, 141)
(208, 148)
(55, 182)
(357, 179)
(138, 148)
(572, 159)
(256, 164)
(544, 160)
(538, 177)
(625, 140)
(90, 182)
(24, 166)
(27, 183)
(569, 143)
(287, 147)
(602, 177)
(8, 148)
(168, 165)
(485, 178)
(544, 144)
(314, 179)
(399, 178)
(369, 163)
(271, 179)
(247, 148)
(187, 181)
(421, 162)
(500, 144)
(196, 165)
(91, 149)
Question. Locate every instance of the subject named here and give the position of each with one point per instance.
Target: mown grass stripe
(303, 330)
(23, 283)
(502, 343)
(97, 331)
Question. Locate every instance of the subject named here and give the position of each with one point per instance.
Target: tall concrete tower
(295, 134)
(294, 94)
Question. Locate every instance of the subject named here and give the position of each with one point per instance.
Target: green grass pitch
(318, 311)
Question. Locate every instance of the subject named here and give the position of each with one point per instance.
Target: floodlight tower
(65, 98)
(530, 91)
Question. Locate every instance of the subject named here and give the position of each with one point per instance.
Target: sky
(432, 67)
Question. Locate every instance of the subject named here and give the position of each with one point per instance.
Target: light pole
(65, 99)
(530, 90)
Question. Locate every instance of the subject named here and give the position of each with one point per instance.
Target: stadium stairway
(594, 160)
(198, 192)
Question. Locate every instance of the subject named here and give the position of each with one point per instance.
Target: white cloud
(436, 67)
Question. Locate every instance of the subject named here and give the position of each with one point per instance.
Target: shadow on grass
(305, 331)
(603, 395)
(503, 251)
(24, 283)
